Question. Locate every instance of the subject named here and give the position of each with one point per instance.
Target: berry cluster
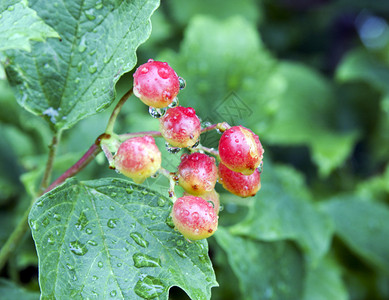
(239, 154)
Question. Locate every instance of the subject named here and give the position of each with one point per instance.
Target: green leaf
(283, 209)
(108, 238)
(66, 80)
(363, 226)
(304, 111)
(19, 24)
(324, 281)
(11, 291)
(265, 270)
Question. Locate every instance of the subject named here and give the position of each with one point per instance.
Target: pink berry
(138, 158)
(238, 183)
(240, 150)
(197, 173)
(212, 197)
(180, 126)
(156, 84)
(194, 217)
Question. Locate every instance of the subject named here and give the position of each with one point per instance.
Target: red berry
(212, 197)
(197, 173)
(180, 126)
(138, 158)
(194, 217)
(156, 84)
(240, 150)
(238, 183)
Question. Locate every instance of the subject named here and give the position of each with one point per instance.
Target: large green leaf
(265, 270)
(10, 291)
(68, 79)
(19, 24)
(283, 209)
(363, 225)
(109, 238)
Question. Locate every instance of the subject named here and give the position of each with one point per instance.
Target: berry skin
(194, 217)
(238, 183)
(138, 158)
(240, 150)
(180, 126)
(156, 84)
(197, 173)
(212, 197)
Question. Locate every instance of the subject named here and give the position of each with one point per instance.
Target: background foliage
(309, 77)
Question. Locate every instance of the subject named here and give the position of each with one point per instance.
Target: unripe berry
(138, 158)
(238, 183)
(240, 150)
(194, 217)
(180, 126)
(197, 173)
(212, 197)
(156, 84)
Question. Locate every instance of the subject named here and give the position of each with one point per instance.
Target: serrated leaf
(66, 80)
(11, 291)
(363, 225)
(19, 24)
(324, 281)
(108, 238)
(283, 209)
(265, 270)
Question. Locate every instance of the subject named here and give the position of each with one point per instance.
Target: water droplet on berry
(172, 149)
(195, 215)
(166, 95)
(174, 103)
(144, 70)
(182, 83)
(157, 112)
(185, 212)
(196, 144)
(150, 60)
(237, 141)
(163, 73)
(260, 167)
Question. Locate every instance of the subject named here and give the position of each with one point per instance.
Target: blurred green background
(311, 78)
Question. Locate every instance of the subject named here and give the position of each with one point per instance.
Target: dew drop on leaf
(149, 287)
(113, 293)
(112, 223)
(45, 222)
(82, 221)
(161, 202)
(88, 231)
(138, 238)
(169, 221)
(100, 264)
(78, 248)
(92, 243)
(180, 253)
(143, 260)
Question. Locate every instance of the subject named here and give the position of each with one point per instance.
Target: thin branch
(116, 112)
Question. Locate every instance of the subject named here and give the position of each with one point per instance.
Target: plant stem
(115, 112)
(50, 161)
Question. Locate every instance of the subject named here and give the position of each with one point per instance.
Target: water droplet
(88, 231)
(113, 293)
(50, 239)
(129, 191)
(11, 8)
(195, 215)
(82, 221)
(89, 14)
(114, 194)
(57, 217)
(138, 238)
(149, 287)
(174, 103)
(99, 5)
(112, 207)
(94, 278)
(100, 264)
(78, 248)
(79, 66)
(33, 225)
(169, 221)
(157, 112)
(93, 68)
(260, 167)
(82, 45)
(172, 149)
(70, 267)
(161, 202)
(112, 223)
(93, 243)
(119, 265)
(180, 243)
(143, 260)
(180, 253)
(77, 80)
(202, 257)
(182, 83)
(45, 222)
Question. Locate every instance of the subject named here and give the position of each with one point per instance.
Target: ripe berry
(138, 158)
(156, 84)
(180, 126)
(238, 183)
(212, 197)
(240, 150)
(194, 217)
(197, 173)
